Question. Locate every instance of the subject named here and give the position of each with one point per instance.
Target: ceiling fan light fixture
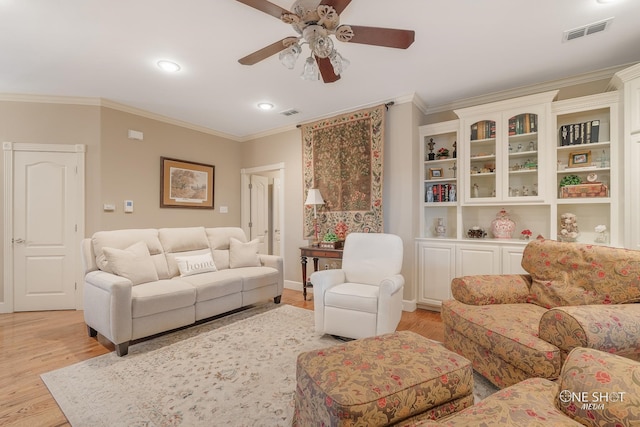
(310, 71)
(289, 56)
(339, 63)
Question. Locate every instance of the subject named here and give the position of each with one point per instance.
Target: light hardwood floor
(33, 343)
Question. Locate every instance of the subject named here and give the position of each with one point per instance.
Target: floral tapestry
(342, 157)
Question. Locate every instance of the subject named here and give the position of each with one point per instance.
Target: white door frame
(245, 174)
(9, 148)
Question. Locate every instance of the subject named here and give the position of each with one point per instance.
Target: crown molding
(107, 103)
(48, 99)
(593, 76)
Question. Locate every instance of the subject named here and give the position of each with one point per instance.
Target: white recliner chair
(364, 297)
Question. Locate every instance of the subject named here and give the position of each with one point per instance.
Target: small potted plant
(443, 153)
(526, 234)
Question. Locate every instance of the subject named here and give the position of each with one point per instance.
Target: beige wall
(52, 124)
(399, 191)
(286, 148)
(130, 170)
(119, 169)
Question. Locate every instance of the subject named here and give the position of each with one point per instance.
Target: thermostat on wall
(128, 206)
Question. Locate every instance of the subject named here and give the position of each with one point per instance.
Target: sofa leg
(92, 332)
(122, 349)
(277, 299)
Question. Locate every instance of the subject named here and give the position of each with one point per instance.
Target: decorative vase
(502, 227)
(441, 229)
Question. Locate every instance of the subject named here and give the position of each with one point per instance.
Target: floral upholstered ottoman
(380, 381)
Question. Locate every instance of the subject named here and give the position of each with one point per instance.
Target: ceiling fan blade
(264, 53)
(266, 7)
(326, 70)
(388, 37)
(338, 5)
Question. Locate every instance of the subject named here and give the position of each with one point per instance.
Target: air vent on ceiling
(586, 30)
(290, 112)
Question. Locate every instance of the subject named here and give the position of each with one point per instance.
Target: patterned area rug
(238, 370)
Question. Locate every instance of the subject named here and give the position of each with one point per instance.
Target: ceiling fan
(315, 21)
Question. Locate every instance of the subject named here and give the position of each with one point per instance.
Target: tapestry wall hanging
(343, 157)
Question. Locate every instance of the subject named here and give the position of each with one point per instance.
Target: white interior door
(260, 211)
(45, 190)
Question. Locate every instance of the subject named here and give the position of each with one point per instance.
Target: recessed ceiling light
(265, 106)
(168, 66)
(605, 1)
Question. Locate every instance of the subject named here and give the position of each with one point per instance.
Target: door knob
(17, 240)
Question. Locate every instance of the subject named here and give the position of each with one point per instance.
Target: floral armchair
(594, 389)
(514, 327)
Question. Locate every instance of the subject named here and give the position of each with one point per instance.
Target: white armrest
(107, 305)
(392, 284)
(323, 280)
(274, 261)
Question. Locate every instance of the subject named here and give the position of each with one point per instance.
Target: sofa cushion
(243, 254)
(160, 296)
(195, 264)
(353, 296)
(134, 263)
(528, 403)
(183, 239)
(256, 277)
(214, 285)
(172, 262)
(121, 239)
(598, 389)
(219, 243)
(508, 331)
(579, 274)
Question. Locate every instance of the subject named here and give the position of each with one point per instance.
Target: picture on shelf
(435, 173)
(580, 158)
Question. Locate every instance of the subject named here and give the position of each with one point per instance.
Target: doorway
(43, 226)
(262, 206)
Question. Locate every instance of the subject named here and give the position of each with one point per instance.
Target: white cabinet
(436, 269)
(503, 147)
(627, 82)
(439, 192)
(474, 259)
(588, 152)
(512, 260)
(440, 261)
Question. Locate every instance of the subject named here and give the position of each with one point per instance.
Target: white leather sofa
(141, 282)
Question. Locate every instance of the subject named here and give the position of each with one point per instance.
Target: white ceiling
(463, 48)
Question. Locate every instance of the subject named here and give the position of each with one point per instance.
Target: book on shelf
(523, 123)
(579, 133)
(485, 129)
(438, 193)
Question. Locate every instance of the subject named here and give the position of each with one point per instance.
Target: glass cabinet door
(522, 157)
(482, 160)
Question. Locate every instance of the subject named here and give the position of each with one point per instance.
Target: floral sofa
(141, 282)
(594, 389)
(514, 327)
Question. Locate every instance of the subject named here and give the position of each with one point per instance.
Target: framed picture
(185, 184)
(580, 158)
(435, 173)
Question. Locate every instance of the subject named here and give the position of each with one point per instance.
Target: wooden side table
(315, 253)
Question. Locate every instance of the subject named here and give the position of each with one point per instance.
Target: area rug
(238, 370)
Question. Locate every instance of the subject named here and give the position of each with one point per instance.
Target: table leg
(303, 261)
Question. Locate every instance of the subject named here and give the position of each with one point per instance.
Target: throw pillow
(134, 263)
(195, 264)
(243, 254)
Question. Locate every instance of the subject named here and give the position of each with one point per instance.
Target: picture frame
(579, 159)
(435, 173)
(185, 184)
